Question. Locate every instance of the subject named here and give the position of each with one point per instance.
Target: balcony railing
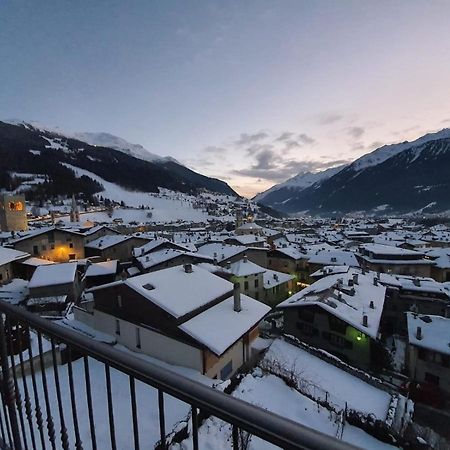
(49, 396)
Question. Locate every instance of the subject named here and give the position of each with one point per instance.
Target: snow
(108, 241)
(102, 268)
(117, 143)
(221, 252)
(53, 274)
(244, 267)
(8, 255)
(15, 291)
(272, 278)
(204, 327)
(34, 262)
(321, 376)
(435, 332)
(178, 292)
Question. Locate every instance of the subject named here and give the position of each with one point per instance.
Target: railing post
(9, 394)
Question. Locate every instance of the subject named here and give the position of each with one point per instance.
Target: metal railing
(30, 416)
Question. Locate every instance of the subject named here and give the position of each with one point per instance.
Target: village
(349, 317)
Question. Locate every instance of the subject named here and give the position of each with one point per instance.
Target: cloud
(356, 132)
(446, 121)
(305, 139)
(215, 150)
(328, 118)
(286, 135)
(265, 160)
(247, 139)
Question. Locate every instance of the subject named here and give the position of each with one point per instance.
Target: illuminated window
(15, 206)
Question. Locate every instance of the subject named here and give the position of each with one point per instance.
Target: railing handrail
(271, 427)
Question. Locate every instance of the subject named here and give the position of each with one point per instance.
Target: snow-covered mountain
(300, 181)
(109, 140)
(404, 177)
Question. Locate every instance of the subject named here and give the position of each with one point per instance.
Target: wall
(6, 273)
(152, 343)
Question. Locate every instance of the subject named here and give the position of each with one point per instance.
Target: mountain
(117, 143)
(400, 178)
(283, 191)
(26, 149)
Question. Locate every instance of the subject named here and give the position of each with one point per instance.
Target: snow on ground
(322, 377)
(14, 291)
(147, 407)
(214, 434)
(170, 207)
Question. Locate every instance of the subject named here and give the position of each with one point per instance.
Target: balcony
(63, 390)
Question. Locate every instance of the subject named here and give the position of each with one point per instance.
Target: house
(101, 273)
(441, 258)
(51, 243)
(183, 315)
(248, 240)
(331, 257)
(340, 314)
(392, 259)
(118, 247)
(53, 286)
(9, 260)
(27, 267)
(251, 228)
(428, 350)
(277, 286)
(93, 233)
(289, 259)
(249, 276)
(408, 293)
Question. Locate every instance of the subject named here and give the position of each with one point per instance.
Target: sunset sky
(251, 92)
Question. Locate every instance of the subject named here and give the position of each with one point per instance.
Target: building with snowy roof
(9, 260)
(339, 313)
(428, 351)
(184, 315)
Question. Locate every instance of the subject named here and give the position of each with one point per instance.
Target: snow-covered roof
(8, 255)
(435, 332)
(205, 326)
(272, 278)
(221, 252)
(157, 257)
(107, 241)
(329, 270)
(152, 245)
(244, 267)
(53, 274)
(102, 268)
(247, 239)
(15, 291)
(334, 257)
(37, 262)
(179, 292)
(381, 249)
(46, 300)
(291, 252)
(249, 226)
(348, 303)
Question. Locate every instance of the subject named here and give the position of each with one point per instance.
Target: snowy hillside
(388, 151)
(301, 181)
(117, 143)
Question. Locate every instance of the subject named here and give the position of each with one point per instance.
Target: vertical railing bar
(2, 427)
(194, 428)
(78, 443)
(5, 414)
(133, 412)
(28, 408)
(16, 384)
(110, 407)
(37, 407)
(62, 422)
(235, 435)
(8, 388)
(162, 422)
(50, 424)
(87, 378)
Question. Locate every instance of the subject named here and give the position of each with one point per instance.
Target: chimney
(365, 320)
(372, 306)
(245, 258)
(237, 297)
(375, 281)
(350, 282)
(416, 282)
(355, 278)
(215, 255)
(419, 333)
(188, 268)
(228, 264)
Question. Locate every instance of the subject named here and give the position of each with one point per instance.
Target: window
(337, 325)
(72, 256)
(118, 327)
(256, 283)
(226, 370)
(339, 341)
(306, 315)
(35, 250)
(119, 301)
(71, 245)
(306, 329)
(1, 276)
(44, 248)
(432, 379)
(52, 246)
(138, 337)
(256, 296)
(245, 285)
(51, 236)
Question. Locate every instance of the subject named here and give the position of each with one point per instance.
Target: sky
(250, 92)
